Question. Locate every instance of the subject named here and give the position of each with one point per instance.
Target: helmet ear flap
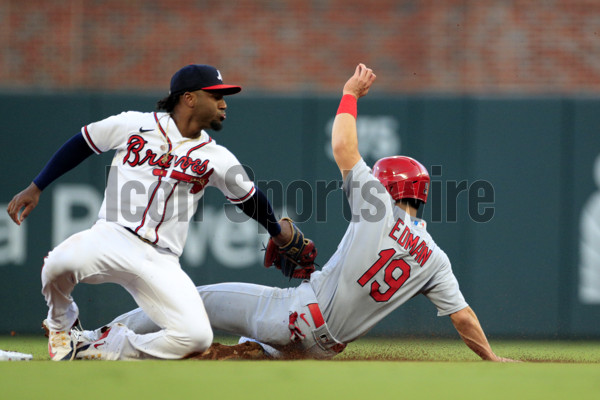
(391, 188)
(424, 188)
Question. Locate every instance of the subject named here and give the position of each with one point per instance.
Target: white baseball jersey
(155, 181)
(384, 259)
(157, 176)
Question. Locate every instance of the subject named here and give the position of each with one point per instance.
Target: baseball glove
(296, 258)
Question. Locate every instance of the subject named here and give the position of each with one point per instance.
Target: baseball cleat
(77, 332)
(14, 356)
(61, 345)
(107, 347)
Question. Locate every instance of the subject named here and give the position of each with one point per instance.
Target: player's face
(209, 110)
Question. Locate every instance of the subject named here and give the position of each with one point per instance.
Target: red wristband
(347, 105)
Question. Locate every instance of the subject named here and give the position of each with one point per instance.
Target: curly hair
(168, 103)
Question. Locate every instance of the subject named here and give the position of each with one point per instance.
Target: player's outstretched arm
(71, 154)
(26, 200)
(344, 140)
(466, 323)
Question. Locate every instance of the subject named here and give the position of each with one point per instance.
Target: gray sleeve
(367, 197)
(443, 291)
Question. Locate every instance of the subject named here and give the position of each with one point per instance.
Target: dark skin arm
(26, 201)
(285, 235)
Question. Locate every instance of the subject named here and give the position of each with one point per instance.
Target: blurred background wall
(499, 99)
(298, 46)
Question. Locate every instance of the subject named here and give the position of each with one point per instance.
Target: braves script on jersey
(157, 175)
(384, 259)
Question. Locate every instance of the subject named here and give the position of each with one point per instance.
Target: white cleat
(14, 356)
(61, 346)
(107, 347)
(77, 332)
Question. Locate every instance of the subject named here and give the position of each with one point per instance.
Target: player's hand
(360, 83)
(26, 200)
(504, 359)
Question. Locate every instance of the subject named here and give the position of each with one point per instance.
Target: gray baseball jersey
(384, 259)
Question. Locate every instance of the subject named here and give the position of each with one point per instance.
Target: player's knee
(195, 338)
(56, 265)
(71, 256)
(201, 341)
(200, 335)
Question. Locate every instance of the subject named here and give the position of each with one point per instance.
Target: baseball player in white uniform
(163, 162)
(385, 258)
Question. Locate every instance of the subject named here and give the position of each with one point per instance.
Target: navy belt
(139, 237)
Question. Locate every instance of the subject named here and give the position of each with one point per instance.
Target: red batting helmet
(403, 177)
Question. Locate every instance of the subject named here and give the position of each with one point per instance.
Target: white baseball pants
(153, 276)
(258, 312)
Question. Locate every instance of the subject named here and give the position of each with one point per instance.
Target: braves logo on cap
(200, 77)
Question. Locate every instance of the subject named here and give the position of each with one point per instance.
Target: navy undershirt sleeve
(259, 208)
(70, 155)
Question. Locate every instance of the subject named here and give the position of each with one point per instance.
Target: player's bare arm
(285, 235)
(344, 140)
(26, 201)
(466, 323)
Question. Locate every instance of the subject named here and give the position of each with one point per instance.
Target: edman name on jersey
(413, 244)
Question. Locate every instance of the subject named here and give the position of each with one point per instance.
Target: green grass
(403, 368)
(455, 350)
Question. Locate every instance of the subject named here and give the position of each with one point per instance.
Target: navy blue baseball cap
(200, 77)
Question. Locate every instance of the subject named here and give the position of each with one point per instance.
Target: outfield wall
(512, 179)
